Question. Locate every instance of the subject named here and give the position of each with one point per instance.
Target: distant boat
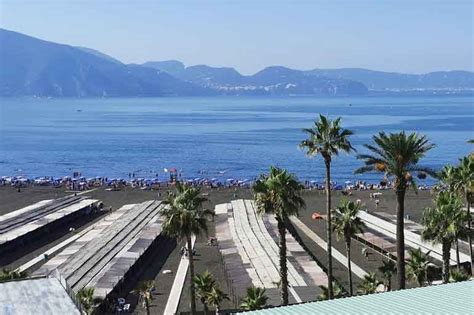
(79, 110)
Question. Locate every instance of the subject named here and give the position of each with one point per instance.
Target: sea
(218, 137)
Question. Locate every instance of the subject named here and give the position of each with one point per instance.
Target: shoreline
(80, 183)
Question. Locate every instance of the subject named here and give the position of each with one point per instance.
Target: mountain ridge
(35, 67)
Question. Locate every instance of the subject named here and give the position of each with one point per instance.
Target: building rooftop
(35, 296)
(454, 298)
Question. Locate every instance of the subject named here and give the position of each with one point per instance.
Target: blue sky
(406, 36)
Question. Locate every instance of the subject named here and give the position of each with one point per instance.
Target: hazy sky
(405, 36)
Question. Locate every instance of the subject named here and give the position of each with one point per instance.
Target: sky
(411, 36)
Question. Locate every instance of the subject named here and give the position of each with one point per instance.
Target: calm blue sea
(212, 137)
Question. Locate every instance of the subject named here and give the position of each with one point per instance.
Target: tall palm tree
(216, 297)
(337, 291)
(327, 138)
(442, 223)
(255, 299)
(347, 224)
(465, 185)
(204, 283)
(449, 176)
(184, 217)
(369, 284)
(144, 291)
(417, 266)
(279, 193)
(388, 269)
(87, 300)
(397, 156)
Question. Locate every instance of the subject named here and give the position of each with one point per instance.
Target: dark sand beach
(208, 257)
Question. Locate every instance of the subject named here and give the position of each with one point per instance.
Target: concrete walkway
(411, 239)
(359, 272)
(178, 284)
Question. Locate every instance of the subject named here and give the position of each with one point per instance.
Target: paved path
(411, 239)
(178, 284)
(359, 272)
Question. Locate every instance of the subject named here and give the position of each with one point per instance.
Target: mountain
(270, 81)
(98, 54)
(30, 66)
(34, 67)
(173, 67)
(378, 80)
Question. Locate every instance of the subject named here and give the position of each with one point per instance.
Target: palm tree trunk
(389, 284)
(283, 266)
(191, 274)
(446, 256)
(327, 161)
(458, 262)
(217, 309)
(469, 238)
(147, 305)
(349, 267)
(401, 237)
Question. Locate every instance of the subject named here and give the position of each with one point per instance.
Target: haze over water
(220, 137)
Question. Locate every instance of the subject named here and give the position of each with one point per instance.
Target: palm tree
(369, 284)
(337, 291)
(449, 176)
(279, 193)
(465, 185)
(388, 269)
(87, 300)
(417, 266)
(204, 283)
(442, 224)
(327, 138)
(397, 156)
(184, 217)
(347, 224)
(144, 291)
(458, 276)
(6, 275)
(216, 297)
(255, 299)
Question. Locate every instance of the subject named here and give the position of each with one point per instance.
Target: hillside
(34, 67)
(29, 66)
(378, 80)
(269, 81)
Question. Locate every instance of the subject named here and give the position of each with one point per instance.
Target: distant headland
(34, 67)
